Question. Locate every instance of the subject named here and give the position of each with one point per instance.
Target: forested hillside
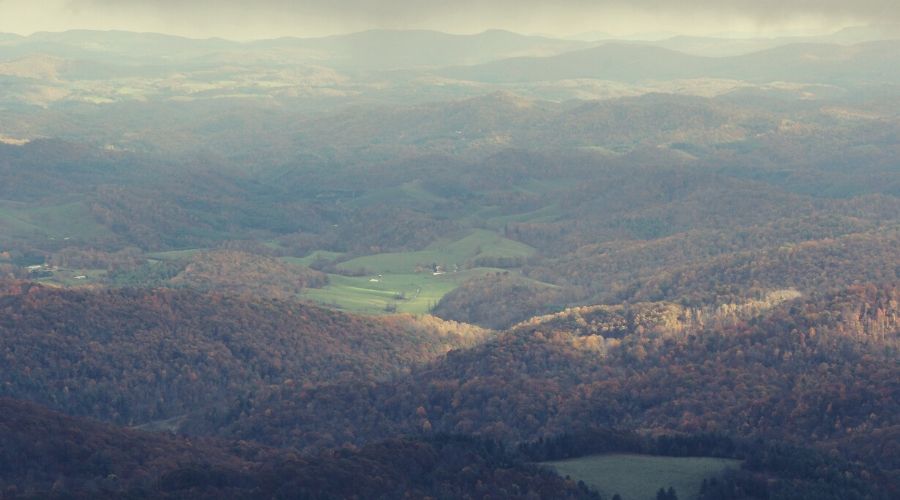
(818, 370)
(45, 454)
(132, 356)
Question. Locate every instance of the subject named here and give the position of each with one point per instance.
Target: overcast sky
(243, 19)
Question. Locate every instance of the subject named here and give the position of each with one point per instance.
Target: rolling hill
(134, 356)
(47, 454)
(820, 63)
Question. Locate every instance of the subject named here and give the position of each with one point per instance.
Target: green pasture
(66, 277)
(545, 214)
(639, 477)
(479, 243)
(312, 257)
(175, 254)
(71, 220)
(408, 194)
(414, 293)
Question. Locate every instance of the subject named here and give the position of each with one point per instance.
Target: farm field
(175, 254)
(639, 477)
(64, 221)
(479, 243)
(414, 293)
(408, 194)
(497, 221)
(312, 257)
(406, 281)
(74, 277)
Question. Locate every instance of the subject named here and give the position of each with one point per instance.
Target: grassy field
(175, 254)
(66, 277)
(479, 243)
(409, 194)
(639, 477)
(404, 280)
(71, 220)
(545, 214)
(412, 293)
(312, 257)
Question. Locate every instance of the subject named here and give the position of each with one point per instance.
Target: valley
(413, 264)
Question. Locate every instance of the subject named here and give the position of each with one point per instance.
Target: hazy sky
(271, 18)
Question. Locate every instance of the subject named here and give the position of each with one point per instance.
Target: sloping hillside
(816, 370)
(133, 356)
(48, 455)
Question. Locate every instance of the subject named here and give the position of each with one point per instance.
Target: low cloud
(243, 18)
